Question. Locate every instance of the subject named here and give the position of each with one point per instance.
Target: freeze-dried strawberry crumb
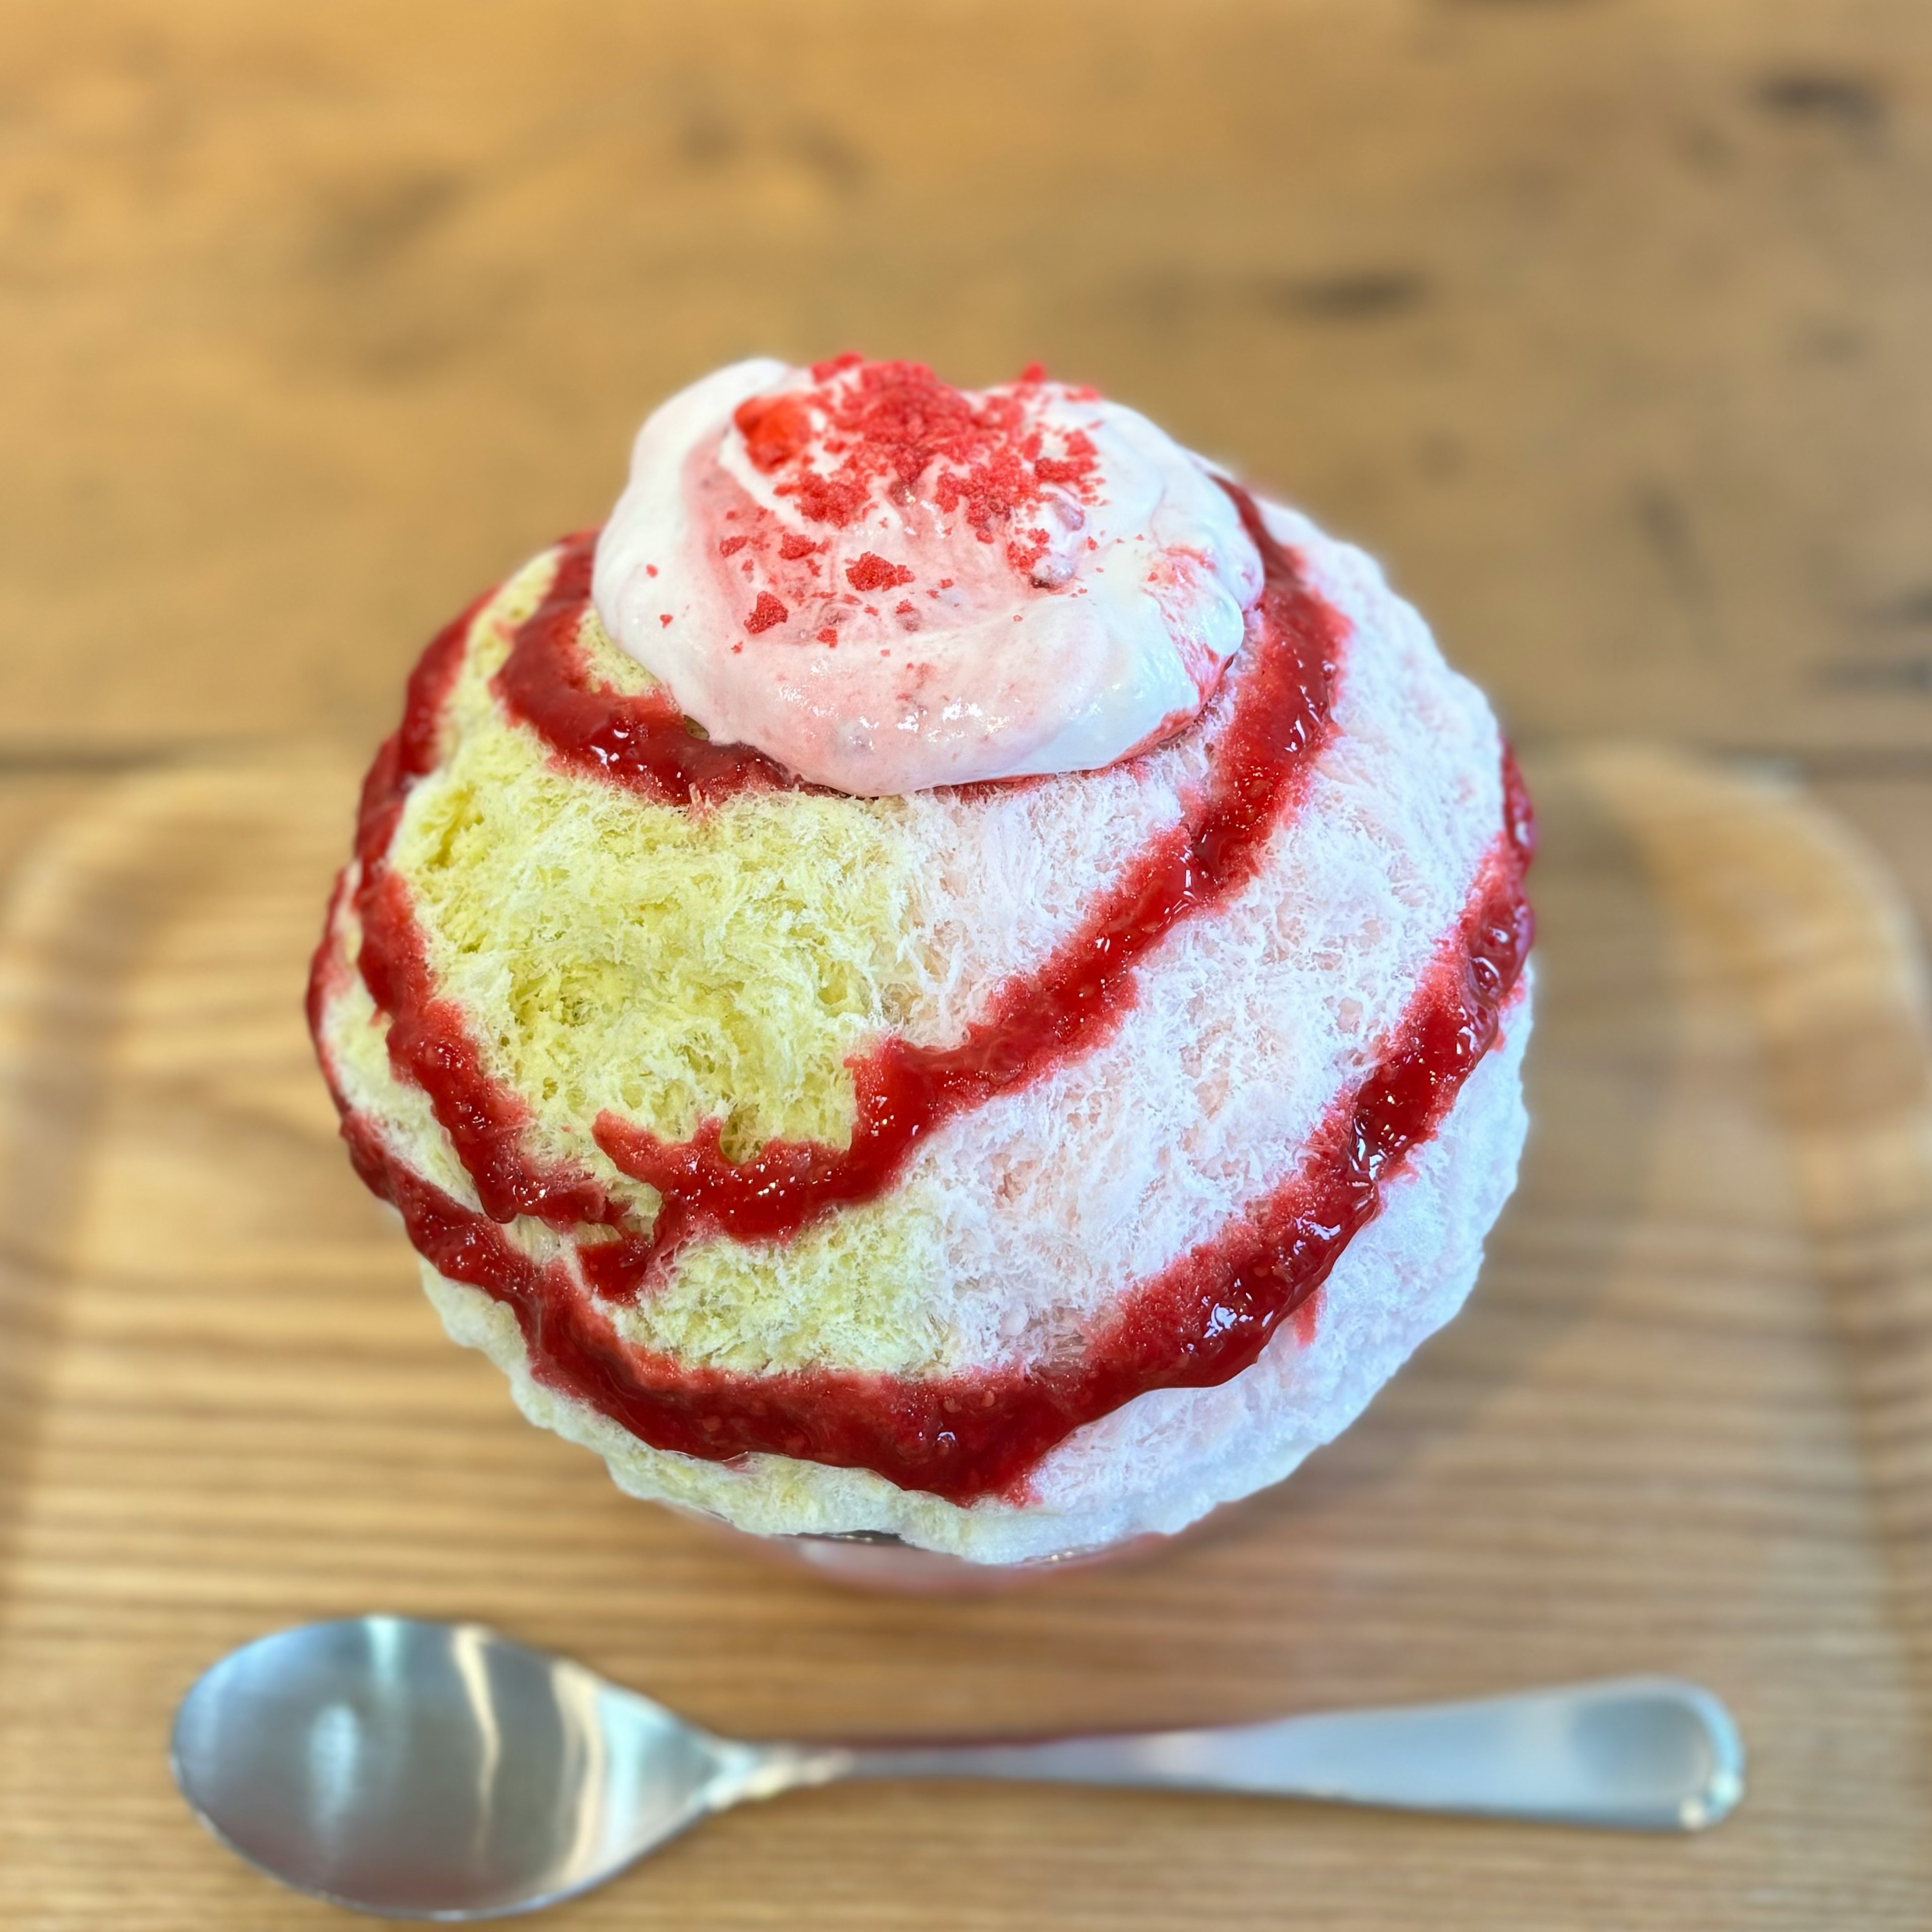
(894, 429)
(766, 612)
(776, 428)
(872, 572)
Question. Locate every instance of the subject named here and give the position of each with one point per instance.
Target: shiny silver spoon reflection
(440, 1771)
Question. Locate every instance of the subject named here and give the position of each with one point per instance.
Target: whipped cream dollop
(887, 583)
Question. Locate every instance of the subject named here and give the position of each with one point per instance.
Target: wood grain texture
(1684, 1425)
(1602, 323)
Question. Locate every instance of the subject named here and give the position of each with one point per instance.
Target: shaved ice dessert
(953, 976)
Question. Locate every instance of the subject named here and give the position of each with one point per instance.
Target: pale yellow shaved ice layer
(649, 961)
(676, 966)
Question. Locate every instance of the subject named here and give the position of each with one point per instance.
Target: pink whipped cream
(887, 583)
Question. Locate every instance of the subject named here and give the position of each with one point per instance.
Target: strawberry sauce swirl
(1200, 1321)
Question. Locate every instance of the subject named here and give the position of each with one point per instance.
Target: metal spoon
(440, 1771)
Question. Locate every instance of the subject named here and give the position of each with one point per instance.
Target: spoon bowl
(435, 1770)
(440, 1771)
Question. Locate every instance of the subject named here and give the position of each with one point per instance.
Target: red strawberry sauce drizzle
(428, 1041)
(1202, 1320)
(642, 742)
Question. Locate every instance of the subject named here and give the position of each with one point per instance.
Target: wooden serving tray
(1686, 1426)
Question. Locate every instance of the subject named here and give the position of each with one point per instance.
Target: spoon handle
(1641, 1753)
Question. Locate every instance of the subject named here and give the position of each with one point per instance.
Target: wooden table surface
(1603, 322)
